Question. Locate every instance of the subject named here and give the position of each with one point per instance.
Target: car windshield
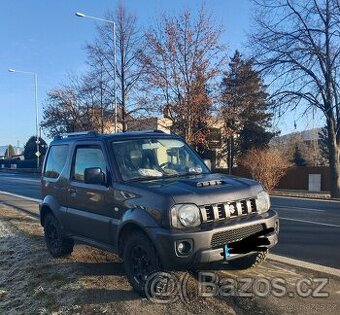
(142, 159)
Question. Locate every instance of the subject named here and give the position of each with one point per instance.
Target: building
(18, 151)
(151, 123)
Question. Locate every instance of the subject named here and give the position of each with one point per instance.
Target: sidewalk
(302, 194)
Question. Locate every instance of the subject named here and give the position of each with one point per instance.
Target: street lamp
(82, 15)
(37, 153)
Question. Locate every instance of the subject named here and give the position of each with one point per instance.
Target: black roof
(93, 135)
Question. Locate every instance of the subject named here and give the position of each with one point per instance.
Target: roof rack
(91, 133)
(146, 131)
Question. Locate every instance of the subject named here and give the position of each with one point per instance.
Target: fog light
(277, 227)
(184, 247)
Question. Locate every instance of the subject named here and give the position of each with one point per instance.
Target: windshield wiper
(138, 179)
(182, 175)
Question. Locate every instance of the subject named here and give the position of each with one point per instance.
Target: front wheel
(249, 261)
(140, 261)
(57, 244)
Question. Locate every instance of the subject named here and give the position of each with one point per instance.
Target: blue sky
(44, 36)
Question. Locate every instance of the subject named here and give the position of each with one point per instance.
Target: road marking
(311, 222)
(19, 179)
(298, 208)
(19, 196)
(304, 264)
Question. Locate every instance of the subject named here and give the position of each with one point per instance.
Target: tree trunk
(230, 147)
(122, 82)
(334, 161)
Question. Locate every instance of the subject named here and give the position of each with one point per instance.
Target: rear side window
(56, 160)
(89, 156)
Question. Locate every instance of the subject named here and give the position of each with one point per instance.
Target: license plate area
(226, 251)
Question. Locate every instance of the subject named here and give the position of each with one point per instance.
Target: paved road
(25, 185)
(309, 229)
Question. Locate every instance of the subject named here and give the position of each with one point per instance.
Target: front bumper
(245, 235)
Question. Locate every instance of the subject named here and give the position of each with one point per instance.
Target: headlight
(262, 202)
(185, 215)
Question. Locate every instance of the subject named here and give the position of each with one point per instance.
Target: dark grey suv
(148, 197)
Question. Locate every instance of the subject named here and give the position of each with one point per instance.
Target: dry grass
(90, 281)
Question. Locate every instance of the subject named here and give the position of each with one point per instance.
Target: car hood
(202, 189)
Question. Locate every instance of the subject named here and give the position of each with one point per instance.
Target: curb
(306, 265)
(5, 193)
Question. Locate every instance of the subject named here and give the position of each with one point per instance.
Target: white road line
(311, 222)
(298, 208)
(19, 196)
(304, 264)
(18, 179)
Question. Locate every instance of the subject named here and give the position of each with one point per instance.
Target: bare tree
(75, 107)
(62, 110)
(96, 98)
(101, 55)
(310, 150)
(297, 44)
(266, 165)
(182, 59)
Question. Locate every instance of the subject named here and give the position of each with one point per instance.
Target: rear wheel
(249, 261)
(57, 244)
(140, 261)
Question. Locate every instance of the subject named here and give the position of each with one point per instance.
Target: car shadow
(86, 269)
(102, 296)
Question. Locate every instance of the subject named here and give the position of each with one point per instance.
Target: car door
(89, 208)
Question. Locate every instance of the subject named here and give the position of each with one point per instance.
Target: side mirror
(94, 175)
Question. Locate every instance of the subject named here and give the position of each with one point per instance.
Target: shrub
(266, 166)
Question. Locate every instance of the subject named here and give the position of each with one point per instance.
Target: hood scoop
(210, 183)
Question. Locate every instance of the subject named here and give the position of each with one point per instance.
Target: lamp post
(82, 15)
(35, 76)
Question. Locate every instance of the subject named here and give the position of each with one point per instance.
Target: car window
(56, 160)
(87, 157)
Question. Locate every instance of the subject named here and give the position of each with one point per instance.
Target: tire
(140, 261)
(249, 261)
(57, 244)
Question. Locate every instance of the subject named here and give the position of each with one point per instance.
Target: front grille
(225, 237)
(222, 211)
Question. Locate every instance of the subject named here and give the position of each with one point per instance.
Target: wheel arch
(128, 228)
(44, 211)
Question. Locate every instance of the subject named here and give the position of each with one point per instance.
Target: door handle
(72, 191)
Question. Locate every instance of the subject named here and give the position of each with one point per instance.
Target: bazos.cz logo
(164, 287)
